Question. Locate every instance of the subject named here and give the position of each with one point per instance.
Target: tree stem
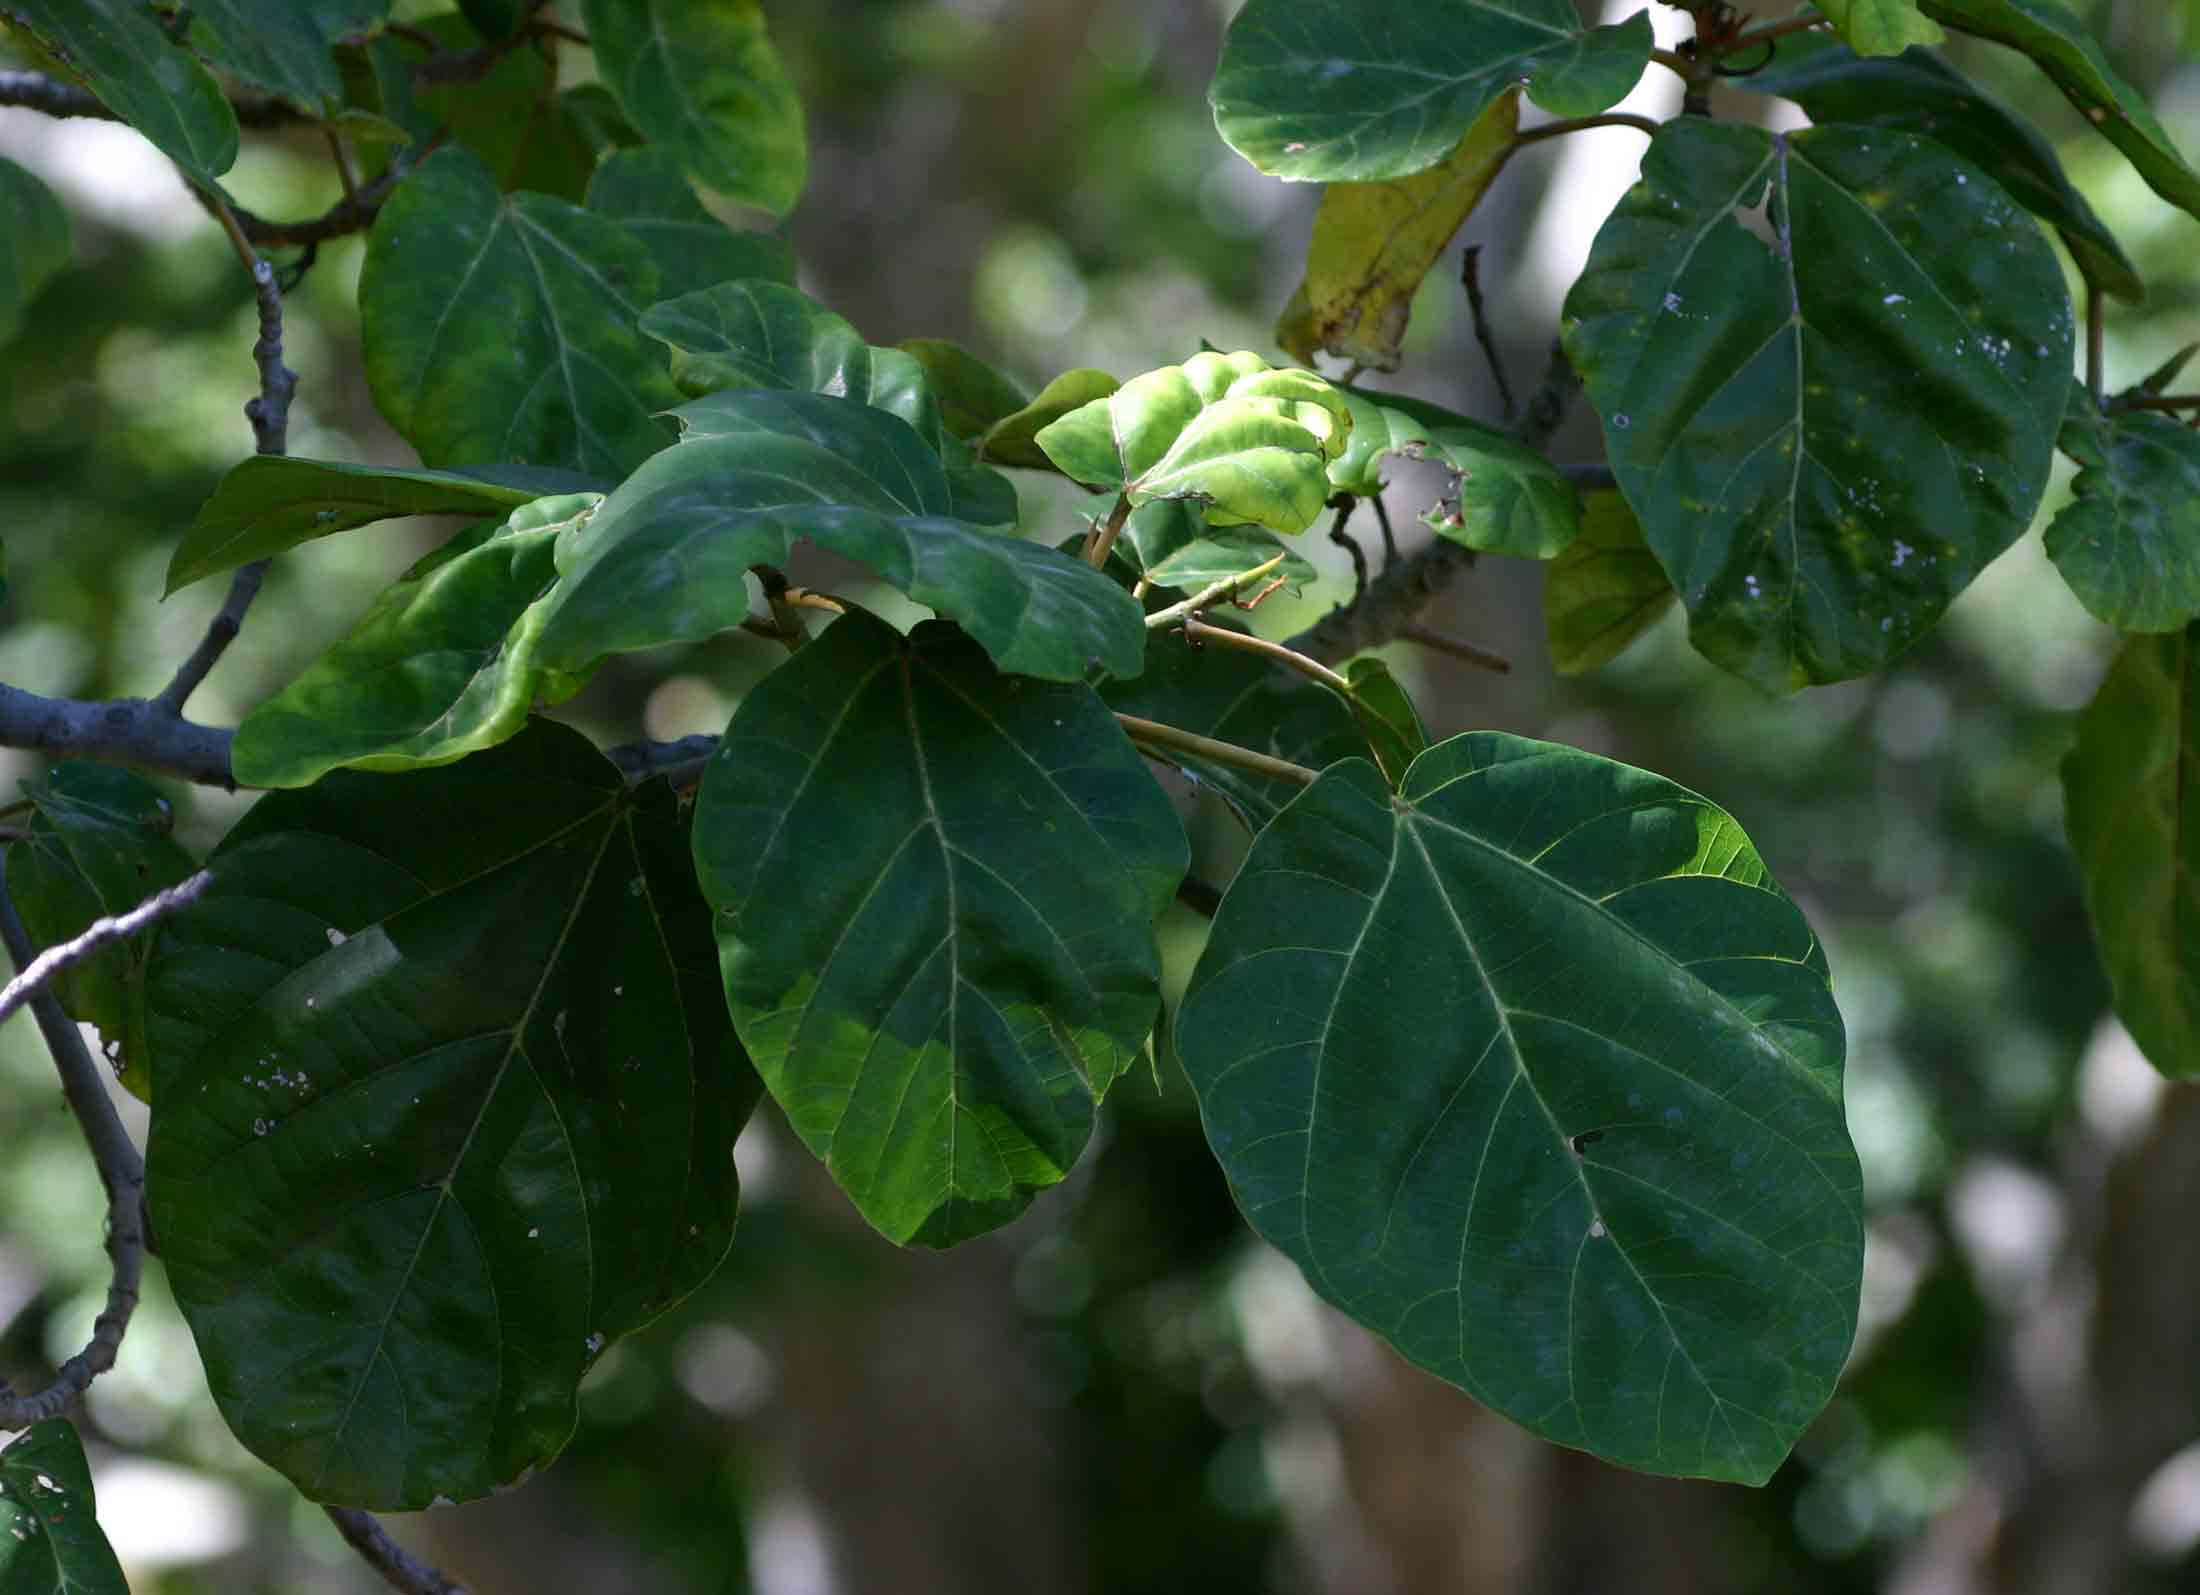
(1153, 734)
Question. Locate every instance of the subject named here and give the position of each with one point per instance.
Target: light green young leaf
(500, 329)
(1881, 27)
(1536, 1073)
(666, 558)
(2128, 542)
(1506, 499)
(703, 81)
(646, 191)
(441, 665)
(34, 246)
(2131, 799)
(1170, 544)
(1250, 442)
(273, 502)
(119, 49)
(936, 888)
(1830, 367)
(1604, 591)
(1366, 90)
(50, 1540)
(1012, 439)
(450, 1107)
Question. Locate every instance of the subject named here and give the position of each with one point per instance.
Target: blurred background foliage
(1123, 1392)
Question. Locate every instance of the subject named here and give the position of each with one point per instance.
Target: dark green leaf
(34, 246)
(285, 46)
(50, 1543)
(2128, 542)
(119, 50)
(1232, 696)
(972, 395)
(646, 191)
(1604, 591)
(510, 115)
(1832, 413)
(442, 665)
(704, 82)
(2057, 42)
(501, 329)
(935, 889)
(98, 844)
(1251, 443)
(667, 557)
(459, 1113)
(1506, 498)
(1919, 92)
(1357, 90)
(1170, 544)
(2131, 791)
(1010, 440)
(493, 19)
(272, 502)
(1386, 716)
(1535, 1072)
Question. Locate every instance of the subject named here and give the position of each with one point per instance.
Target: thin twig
(1581, 124)
(1390, 538)
(1457, 648)
(1199, 633)
(221, 631)
(1346, 504)
(1214, 593)
(1470, 278)
(36, 91)
(1153, 734)
(682, 762)
(121, 1172)
(2096, 344)
(1101, 543)
(2154, 401)
(1590, 478)
(35, 975)
(1750, 38)
(400, 1569)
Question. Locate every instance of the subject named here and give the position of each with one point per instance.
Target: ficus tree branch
(33, 977)
(399, 1568)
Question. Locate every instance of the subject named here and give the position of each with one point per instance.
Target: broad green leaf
(500, 329)
(1506, 499)
(1919, 92)
(936, 888)
(1249, 442)
(1011, 440)
(99, 843)
(646, 191)
(272, 502)
(458, 1113)
(1604, 591)
(1881, 27)
(1386, 716)
(1830, 368)
(50, 1541)
(34, 246)
(118, 49)
(1374, 242)
(666, 558)
(2128, 542)
(510, 116)
(493, 19)
(973, 396)
(2131, 799)
(700, 78)
(1365, 90)
(2060, 46)
(285, 46)
(1232, 696)
(1536, 1073)
(1170, 544)
(441, 665)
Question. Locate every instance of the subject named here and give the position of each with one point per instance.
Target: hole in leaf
(1585, 1140)
(1756, 220)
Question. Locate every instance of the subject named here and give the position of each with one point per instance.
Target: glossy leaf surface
(1919, 92)
(510, 115)
(1361, 90)
(500, 329)
(1604, 591)
(1881, 27)
(935, 889)
(1829, 416)
(99, 843)
(118, 48)
(1170, 544)
(285, 46)
(1249, 442)
(701, 79)
(646, 191)
(2131, 799)
(1387, 719)
(50, 1541)
(272, 502)
(2128, 542)
(1011, 439)
(1506, 498)
(1374, 242)
(2058, 43)
(458, 1113)
(972, 396)
(34, 246)
(442, 664)
(667, 557)
(1534, 1071)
